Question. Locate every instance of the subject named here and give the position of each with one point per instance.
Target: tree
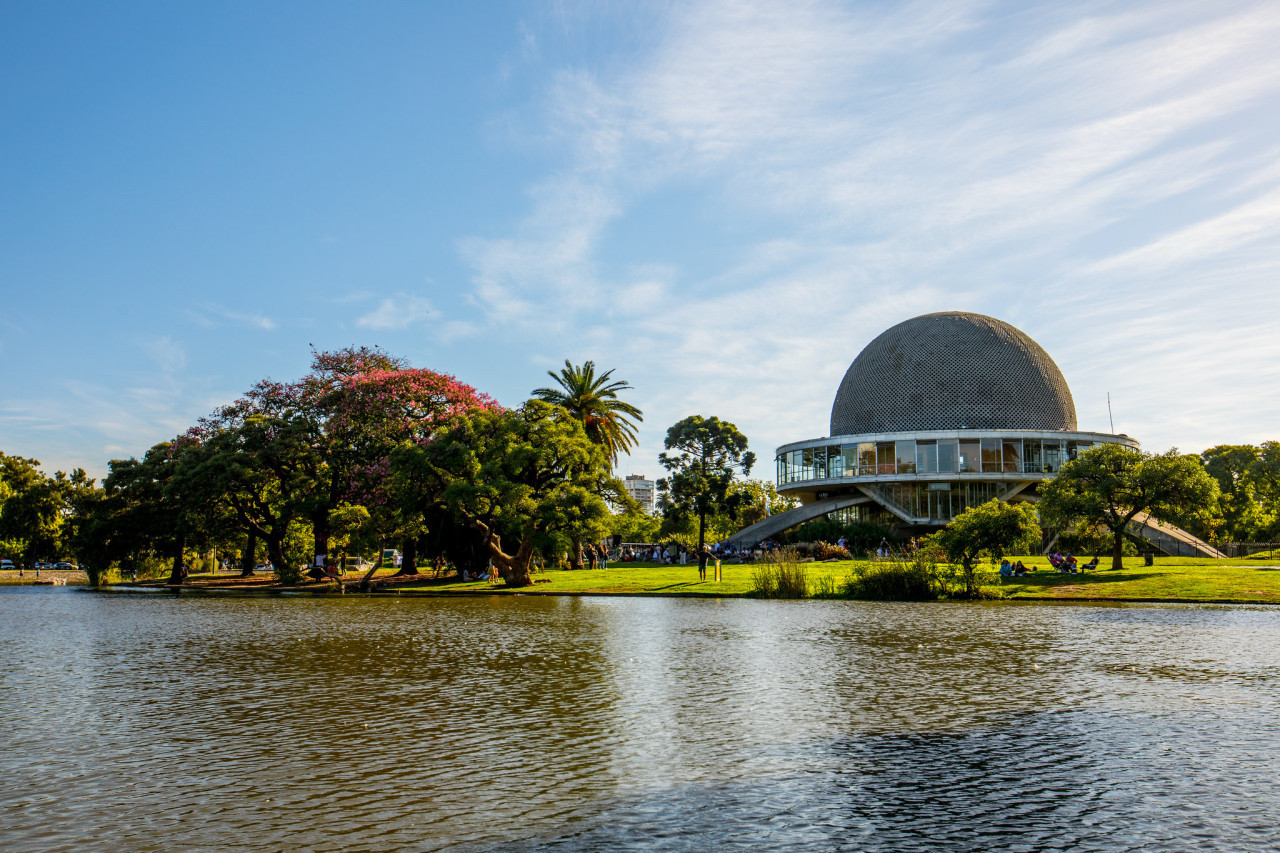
(1240, 515)
(154, 509)
(1111, 484)
(634, 525)
(370, 413)
(991, 529)
(593, 400)
(1263, 480)
(529, 475)
(762, 500)
(256, 466)
(704, 455)
(30, 510)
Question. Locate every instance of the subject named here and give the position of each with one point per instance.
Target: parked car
(7, 566)
(66, 567)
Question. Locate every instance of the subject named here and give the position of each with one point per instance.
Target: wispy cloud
(397, 312)
(168, 355)
(848, 166)
(209, 314)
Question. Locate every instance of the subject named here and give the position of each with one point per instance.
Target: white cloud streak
(209, 314)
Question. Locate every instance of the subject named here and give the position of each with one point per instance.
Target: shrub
(784, 577)
(896, 580)
(827, 551)
(290, 573)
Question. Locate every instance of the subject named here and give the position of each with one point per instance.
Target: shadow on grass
(1048, 580)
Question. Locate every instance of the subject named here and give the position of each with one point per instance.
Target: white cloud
(210, 314)
(398, 312)
(168, 354)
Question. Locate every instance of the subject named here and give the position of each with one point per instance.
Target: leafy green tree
(529, 476)
(36, 511)
(635, 525)
(1242, 514)
(29, 520)
(1263, 480)
(256, 468)
(760, 500)
(703, 455)
(992, 530)
(154, 511)
(593, 400)
(1110, 485)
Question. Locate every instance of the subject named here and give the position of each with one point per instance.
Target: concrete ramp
(1173, 541)
(775, 524)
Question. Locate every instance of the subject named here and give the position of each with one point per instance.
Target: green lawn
(1251, 579)
(624, 577)
(1184, 578)
(1187, 578)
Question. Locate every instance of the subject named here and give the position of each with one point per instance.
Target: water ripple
(170, 723)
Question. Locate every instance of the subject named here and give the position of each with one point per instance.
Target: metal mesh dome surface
(952, 370)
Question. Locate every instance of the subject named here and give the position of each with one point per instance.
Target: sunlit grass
(1186, 578)
(1170, 578)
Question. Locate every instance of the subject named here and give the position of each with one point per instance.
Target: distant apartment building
(641, 491)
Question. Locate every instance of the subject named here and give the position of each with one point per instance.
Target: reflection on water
(146, 722)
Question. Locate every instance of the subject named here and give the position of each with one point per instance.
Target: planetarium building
(939, 413)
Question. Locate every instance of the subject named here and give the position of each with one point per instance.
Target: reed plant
(780, 576)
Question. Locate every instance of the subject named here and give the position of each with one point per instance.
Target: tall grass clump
(784, 576)
(916, 579)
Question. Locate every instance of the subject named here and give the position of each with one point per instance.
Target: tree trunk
(1117, 550)
(320, 533)
(178, 573)
(249, 558)
(512, 568)
(575, 557)
(275, 550)
(409, 558)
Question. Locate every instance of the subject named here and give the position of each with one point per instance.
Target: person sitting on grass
(1006, 569)
(1019, 570)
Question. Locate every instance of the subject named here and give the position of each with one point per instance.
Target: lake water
(159, 722)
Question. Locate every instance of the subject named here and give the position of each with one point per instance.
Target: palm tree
(593, 400)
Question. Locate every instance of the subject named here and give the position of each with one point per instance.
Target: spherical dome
(952, 370)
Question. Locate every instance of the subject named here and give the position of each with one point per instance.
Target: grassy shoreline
(1170, 579)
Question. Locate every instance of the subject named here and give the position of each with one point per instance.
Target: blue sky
(725, 201)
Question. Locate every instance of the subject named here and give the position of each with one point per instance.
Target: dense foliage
(363, 451)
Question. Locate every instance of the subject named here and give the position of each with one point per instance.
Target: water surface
(159, 722)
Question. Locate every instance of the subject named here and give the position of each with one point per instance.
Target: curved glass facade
(978, 455)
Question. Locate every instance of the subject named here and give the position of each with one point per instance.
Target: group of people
(1063, 563)
(1066, 564)
(595, 556)
(1011, 570)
